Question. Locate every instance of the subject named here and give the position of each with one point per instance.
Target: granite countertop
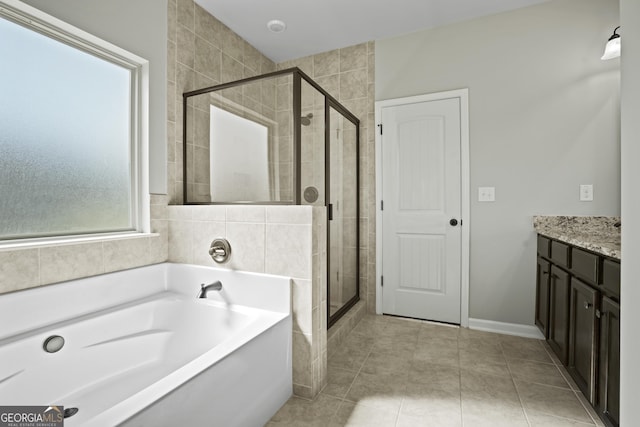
(595, 233)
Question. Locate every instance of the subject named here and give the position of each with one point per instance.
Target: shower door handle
(330, 212)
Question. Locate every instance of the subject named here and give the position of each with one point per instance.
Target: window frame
(33, 19)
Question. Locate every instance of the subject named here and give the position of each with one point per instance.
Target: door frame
(463, 96)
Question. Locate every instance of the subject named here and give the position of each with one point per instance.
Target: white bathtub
(141, 349)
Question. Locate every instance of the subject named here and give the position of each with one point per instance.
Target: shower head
(306, 120)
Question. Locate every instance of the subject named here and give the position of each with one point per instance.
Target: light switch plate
(586, 193)
(486, 194)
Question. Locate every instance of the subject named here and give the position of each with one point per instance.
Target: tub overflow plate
(53, 344)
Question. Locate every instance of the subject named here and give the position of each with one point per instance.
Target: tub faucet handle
(220, 250)
(215, 286)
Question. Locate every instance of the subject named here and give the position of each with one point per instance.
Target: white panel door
(421, 218)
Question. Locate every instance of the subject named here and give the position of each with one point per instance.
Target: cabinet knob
(587, 305)
(598, 314)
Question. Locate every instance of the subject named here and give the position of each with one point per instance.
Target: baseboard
(527, 331)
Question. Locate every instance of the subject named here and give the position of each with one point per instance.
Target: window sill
(70, 240)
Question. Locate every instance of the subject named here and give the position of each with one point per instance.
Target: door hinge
(380, 126)
(381, 205)
(381, 280)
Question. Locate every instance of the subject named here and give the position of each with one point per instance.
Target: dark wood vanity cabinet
(559, 288)
(542, 295)
(583, 336)
(608, 404)
(578, 311)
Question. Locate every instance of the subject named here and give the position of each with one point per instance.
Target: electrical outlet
(586, 193)
(486, 194)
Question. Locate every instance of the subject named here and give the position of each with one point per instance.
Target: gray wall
(630, 345)
(140, 27)
(544, 118)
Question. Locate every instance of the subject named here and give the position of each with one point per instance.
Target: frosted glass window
(65, 138)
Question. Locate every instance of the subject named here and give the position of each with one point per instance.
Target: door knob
(453, 222)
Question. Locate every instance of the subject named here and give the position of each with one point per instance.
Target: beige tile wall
(283, 240)
(28, 268)
(202, 52)
(348, 75)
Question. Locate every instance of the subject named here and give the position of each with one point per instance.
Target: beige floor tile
(537, 372)
(407, 332)
(382, 391)
(444, 355)
(339, 381)
(525, 348)
(431, 401)
(369, 327)
(380, 363)
(552, 400)
(431, 420)
(466, 333)
(481, 345)
(394, 345)
(358, 415)
(494, 417)
(349, 359)
(544, 420)
(424, 372)
(485, 363)
(488, 388)
(317, 412)
(407, 373)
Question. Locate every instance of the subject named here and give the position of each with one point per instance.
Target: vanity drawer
(611, 277)
(560, 253)
(544, 246)
(585, 265)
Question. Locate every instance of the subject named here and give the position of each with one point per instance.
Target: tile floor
(396, 372)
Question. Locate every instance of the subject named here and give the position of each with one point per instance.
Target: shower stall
(280, 138)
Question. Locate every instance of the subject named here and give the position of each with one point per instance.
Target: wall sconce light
(612, 49)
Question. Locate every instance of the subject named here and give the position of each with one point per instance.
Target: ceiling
(315, 26)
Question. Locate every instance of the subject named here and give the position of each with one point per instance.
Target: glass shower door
(343, 237)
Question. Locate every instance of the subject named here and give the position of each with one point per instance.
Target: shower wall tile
(275, 240)
(207, 27)
(185, 13)
(180, 241)
(325, 64)
(186, 40)
(204, 233)
(353, 84)
(209, 213)
(130, 253)
(285, 215)
(255, 214)
(353, 57)
(348, 74)
(66, 262)
(19, 269)
(248, 246)
(289, 250)
(201, 52)
(302, 306)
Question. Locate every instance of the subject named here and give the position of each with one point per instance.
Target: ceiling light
(612, 49)
(276, 26)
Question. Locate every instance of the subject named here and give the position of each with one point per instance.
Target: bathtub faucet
(215, 286)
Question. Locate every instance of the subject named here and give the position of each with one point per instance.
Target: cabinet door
(559, 313)
(542, 296)
(609, 369)
(583, 335)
